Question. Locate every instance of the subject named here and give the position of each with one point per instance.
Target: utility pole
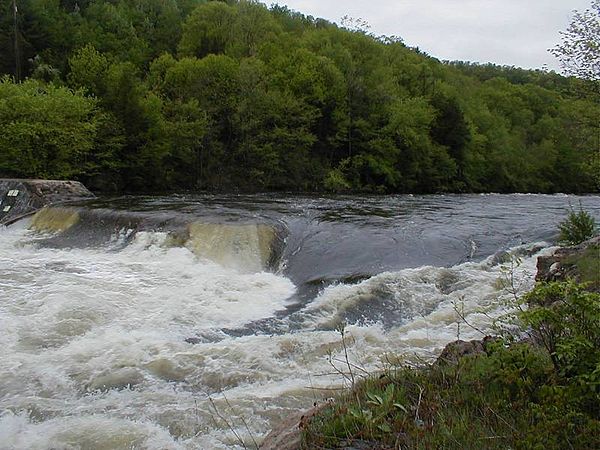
(17, 49)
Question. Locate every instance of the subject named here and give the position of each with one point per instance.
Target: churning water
(143, 322)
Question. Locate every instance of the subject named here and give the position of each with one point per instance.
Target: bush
(577, 227)
(566, 319)
(521, 396)
(336, 182)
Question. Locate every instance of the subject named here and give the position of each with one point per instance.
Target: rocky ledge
(19, 198)
(288, 434)
(579, 263)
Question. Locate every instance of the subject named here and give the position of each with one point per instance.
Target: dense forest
(163, 95)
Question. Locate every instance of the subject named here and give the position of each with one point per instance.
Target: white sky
(507, 32)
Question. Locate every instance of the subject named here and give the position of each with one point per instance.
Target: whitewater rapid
(134, 343)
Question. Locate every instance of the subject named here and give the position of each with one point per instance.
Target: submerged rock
(167, 370)
(119, 379)
(54, 219)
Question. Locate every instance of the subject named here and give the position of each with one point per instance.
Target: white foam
(98, 432)
(94, 349)
(429, 298)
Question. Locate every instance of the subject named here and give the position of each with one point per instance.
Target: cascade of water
(97, 336)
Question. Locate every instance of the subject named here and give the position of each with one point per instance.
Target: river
(180, 322)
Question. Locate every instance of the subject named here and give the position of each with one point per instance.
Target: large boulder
(456, 350)
(19, 198)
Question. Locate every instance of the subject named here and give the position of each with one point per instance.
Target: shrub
(335, 181)
(577, 227)
(521, 396)
(566, 318)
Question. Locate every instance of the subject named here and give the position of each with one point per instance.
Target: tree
(88, 69)
(579, 53)
(208, 30)
(229, 94)
(108, 28)
(450, 128)
(47, 131)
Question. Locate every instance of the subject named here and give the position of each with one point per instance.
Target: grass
(508, 398)
(519, 396)
(586, 267)
(540, 393)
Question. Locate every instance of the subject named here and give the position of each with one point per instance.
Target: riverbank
(530, 389)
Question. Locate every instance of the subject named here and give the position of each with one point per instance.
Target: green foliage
(48, 131)
(208, 30)
(280, 100)
(109, 29)
(512, 396)
(566, 318)
(88, 70)
(336, 182)
(577, 227)
(586, 267)
(579, 52)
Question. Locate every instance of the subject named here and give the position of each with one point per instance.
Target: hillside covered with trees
(164, 95)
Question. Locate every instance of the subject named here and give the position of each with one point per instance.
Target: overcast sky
(508, 32)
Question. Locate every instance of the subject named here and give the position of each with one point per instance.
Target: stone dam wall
(20, 198)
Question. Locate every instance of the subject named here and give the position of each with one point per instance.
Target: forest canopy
(164, 95)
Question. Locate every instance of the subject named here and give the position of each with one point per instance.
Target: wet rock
(119, 379)
(288, 434)
(456, 350)
(501, 257)
(19, 198)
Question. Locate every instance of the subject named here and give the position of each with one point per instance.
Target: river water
(194, 322)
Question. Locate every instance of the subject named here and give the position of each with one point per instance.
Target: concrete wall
(19, 198)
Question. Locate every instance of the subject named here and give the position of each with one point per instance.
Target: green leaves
(208, 30)
(48, 131)
(577, 227)
(233, 94)
(566, 319)
(88, 70)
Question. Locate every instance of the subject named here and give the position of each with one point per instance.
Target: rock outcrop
(20, 198)
(562, 264)
(288, 434)
(456, 350)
